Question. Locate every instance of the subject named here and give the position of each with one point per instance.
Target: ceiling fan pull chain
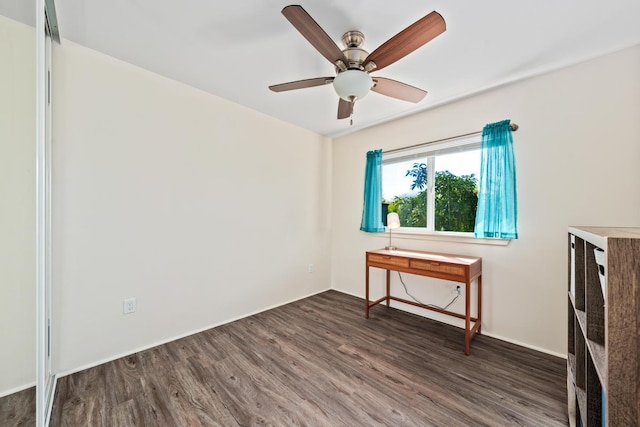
(353, 107)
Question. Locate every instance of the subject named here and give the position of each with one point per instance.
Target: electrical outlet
(310, 268)
(457, 290)
(129, 306)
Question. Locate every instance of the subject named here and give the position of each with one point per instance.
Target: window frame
(430, 152)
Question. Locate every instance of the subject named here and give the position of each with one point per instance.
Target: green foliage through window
(456, 201)
(412, 210)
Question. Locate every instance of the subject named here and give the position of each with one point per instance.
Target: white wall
(203, 210)
(577, 154)
(17, 206)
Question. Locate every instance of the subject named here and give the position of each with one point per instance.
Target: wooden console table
(457, 268)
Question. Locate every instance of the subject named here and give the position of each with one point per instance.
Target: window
(433, 187)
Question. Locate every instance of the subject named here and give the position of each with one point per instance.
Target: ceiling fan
(353, 64)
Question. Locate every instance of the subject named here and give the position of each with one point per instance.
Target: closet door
(46, 28)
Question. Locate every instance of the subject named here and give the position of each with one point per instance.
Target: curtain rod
(514, 127)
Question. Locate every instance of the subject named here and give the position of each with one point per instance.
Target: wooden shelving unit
(604, 326)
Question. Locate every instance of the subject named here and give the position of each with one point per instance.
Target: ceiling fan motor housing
(352, 41)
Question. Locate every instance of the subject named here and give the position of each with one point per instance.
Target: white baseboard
(168, 340)
(10, 391)
(143, 348)
(522, 344)
(489, 334)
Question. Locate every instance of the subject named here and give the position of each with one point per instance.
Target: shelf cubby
(579, 296)
(594, 300)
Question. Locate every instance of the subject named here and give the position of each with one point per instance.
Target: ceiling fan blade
(407, 40)
(301, 84)
(310, 29)
(345, 108)
(398, 90)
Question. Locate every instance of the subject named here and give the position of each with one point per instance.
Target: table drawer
(450, 269)
(389, 260)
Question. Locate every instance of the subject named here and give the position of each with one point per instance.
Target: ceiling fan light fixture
(352, 84)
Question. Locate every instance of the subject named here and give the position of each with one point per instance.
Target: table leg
(366, 292)
(479, 304)
(388, 285)
(467, 318)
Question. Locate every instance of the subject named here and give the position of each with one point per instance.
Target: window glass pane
(410, 204)
(456, 191)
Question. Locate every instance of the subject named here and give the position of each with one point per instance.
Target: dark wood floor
(318, 362)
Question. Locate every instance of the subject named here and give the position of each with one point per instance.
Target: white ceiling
(237, 49)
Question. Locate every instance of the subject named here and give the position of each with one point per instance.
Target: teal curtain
(372, 206)
(497, 214)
